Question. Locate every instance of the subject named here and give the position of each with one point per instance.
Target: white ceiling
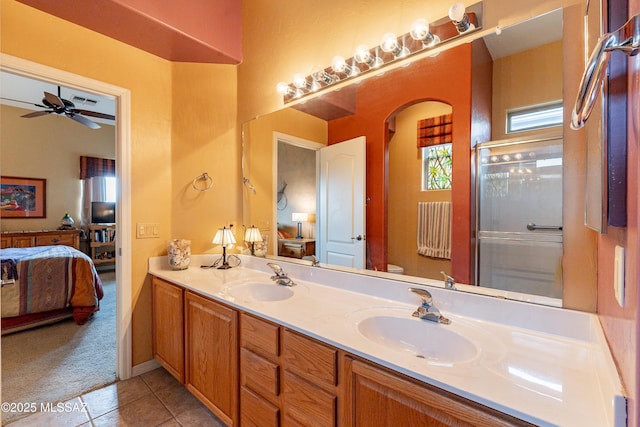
(24, 92)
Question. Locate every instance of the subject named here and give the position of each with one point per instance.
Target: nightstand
(296, 248)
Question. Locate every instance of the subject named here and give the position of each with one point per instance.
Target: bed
(44, 284)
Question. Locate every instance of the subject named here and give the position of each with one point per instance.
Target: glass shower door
(519, 206)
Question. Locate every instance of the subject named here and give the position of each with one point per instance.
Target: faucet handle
(276, 268)
(427, 299)
(449, 281)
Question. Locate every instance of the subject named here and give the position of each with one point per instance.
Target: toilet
(396, 269)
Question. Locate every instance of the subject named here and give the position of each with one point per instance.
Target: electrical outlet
(618, 275)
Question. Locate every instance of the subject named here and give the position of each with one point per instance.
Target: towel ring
(208, 182)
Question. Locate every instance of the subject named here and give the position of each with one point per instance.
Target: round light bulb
(299, 81)
(456, 12)
(362, 54)
(282, 88)
(389, 42)
(419, 29)
(338, 64)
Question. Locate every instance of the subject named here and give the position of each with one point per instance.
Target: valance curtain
(93, 166)
(435, 131)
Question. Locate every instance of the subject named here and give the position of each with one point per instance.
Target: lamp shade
(299, 217)
(224, 237)
(253, 235)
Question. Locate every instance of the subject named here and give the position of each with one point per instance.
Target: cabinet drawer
(306, 404)
(259, 374)
(292, 250)
(55, 239)
(259, 336)
(310, 359)
(255, 411)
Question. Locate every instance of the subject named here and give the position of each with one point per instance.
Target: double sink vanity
(339, 348)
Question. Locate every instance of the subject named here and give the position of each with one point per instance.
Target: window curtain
(93, 170)
(93, 166)
(435, 131)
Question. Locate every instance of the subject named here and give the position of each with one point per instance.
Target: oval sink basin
(261, 292)
(429, 340)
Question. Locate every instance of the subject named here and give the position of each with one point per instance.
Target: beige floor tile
(201, 417)
(115, 395)
(144, 412)
(158, 379)
(72, 413)
(171, 423)
(177, 398)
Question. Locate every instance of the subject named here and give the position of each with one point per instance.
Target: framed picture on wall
(23, 197)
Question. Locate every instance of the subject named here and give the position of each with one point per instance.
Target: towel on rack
(434, 229)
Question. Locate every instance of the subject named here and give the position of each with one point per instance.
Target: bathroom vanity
(343, 349)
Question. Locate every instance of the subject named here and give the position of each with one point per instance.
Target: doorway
(36, 71)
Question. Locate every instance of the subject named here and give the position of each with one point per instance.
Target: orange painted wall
(445, 78)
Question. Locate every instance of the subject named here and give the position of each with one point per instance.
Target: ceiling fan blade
(94, 114)
(54, 100)
(83, 120)
(37, 114)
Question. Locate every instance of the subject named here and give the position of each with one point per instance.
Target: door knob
(358, 237)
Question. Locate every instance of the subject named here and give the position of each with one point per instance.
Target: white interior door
(341, 204)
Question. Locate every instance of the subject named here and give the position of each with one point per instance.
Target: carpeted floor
(57, 362)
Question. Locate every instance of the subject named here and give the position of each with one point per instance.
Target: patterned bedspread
(48, 278)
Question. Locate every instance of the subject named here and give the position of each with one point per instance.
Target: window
(110, 188)
(436, 167)
(534, 117)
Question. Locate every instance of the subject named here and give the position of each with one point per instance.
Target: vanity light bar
(422, 37)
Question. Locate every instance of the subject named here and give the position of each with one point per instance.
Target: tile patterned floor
(151, 399)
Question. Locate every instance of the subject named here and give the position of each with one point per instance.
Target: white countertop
(545, 365)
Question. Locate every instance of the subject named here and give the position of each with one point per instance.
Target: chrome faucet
(280, 276)
(449, 282)
(427, 310)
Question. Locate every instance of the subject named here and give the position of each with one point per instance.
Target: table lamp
(299, 217)
(253, 236)
(224, 237)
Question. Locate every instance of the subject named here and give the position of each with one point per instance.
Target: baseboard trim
(144, 367)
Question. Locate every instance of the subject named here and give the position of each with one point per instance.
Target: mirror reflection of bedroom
(58, 198)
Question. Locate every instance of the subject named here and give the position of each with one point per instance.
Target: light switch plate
(618, 275)
(147, 230)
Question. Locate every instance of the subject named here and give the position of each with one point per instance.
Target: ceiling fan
(56, 104)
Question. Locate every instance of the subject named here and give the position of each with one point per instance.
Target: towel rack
(625, 39)
(208, 182)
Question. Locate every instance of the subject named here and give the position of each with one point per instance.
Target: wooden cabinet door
(23, 242)
(168, 327)
(381, 398)
(212, 355)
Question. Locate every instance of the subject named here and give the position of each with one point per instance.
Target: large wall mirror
(492, 77)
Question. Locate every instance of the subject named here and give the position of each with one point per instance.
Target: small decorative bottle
(67, 221)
